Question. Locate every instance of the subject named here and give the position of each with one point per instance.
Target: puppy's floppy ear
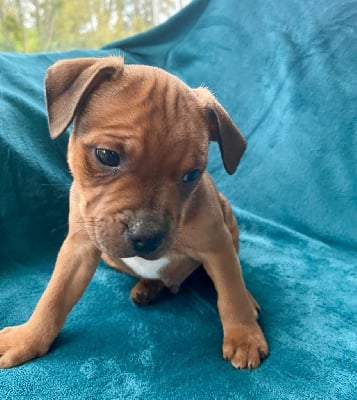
(68, 83)
(222, 130)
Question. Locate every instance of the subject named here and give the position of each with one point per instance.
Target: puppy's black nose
(143, 240)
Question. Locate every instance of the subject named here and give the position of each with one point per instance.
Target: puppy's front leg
(75, 266)
(244, 343)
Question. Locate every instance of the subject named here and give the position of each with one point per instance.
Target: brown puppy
(141, 199)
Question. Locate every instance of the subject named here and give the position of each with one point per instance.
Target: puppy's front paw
(19, 344)
(245, 346)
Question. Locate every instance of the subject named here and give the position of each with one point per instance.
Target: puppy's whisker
(179, 242)
(79, 231)
(87, 222)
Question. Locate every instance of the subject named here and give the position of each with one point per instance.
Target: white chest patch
(149, 269)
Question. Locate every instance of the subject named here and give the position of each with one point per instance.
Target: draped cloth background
(287, 73)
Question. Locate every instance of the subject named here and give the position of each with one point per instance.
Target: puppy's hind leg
(146, 291)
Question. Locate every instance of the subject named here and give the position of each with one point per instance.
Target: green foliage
(42, 25)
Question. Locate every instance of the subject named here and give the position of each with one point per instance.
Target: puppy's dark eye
(191, 176)
(108, 157)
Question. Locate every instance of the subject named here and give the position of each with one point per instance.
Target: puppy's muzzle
(147, 235)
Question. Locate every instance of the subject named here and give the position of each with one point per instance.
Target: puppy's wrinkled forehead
(147, 100)
(108, 100)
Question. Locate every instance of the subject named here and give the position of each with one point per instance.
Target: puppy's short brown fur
(141, 199)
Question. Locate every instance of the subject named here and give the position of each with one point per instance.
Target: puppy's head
(138, 149)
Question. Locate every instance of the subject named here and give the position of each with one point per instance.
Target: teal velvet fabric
(287, 73)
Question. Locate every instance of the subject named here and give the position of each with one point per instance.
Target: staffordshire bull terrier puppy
(141, 199)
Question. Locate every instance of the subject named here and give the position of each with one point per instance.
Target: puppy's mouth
(150, 249)
(150, 257)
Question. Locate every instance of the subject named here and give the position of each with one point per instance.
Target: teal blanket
(287, 73)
